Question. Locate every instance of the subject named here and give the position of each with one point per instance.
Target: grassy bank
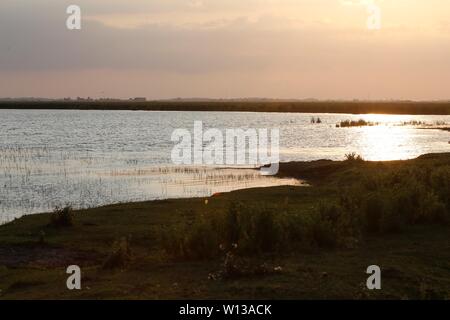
(282, 242)
(352, 107)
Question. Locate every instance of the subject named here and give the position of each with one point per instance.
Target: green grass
(322, 237)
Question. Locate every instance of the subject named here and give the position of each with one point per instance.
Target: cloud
(196, 3)
(216, 47)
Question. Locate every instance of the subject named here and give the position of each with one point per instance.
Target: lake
(52, 158)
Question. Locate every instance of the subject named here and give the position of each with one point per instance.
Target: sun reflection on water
(387, 143)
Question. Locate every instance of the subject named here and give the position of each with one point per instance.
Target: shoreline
(305, 173)
(300, 183)
(340, 107)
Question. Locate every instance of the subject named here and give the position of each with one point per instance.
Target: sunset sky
(226, 49)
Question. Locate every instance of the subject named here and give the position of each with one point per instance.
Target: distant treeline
(352, 107)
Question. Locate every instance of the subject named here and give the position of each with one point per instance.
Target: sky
(287, 49)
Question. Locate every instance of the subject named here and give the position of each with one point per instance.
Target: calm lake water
(91, 158)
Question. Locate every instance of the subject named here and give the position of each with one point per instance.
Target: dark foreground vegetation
(353, 107)
(282, 242)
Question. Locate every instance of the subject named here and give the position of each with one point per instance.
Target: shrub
(252, 231)
(120, 255)
(202, 242)
(432, 209)
(266, 233)
(173, 242)
(295, 229)
(373, 209)
(382, 201)
(231, 225)
(336, 225)
(323, 234)
(413, 195)
(196, 241)
(371, 183)
(353, 157)
(440, 183)
(62, 217)
(255, 231)
(391, 220)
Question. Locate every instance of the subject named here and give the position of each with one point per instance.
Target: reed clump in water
(418, 123)
(316, 120)
(355, 123)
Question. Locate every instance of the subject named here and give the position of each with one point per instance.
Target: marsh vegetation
(353, 107)
(355, 123)
(280, 242)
